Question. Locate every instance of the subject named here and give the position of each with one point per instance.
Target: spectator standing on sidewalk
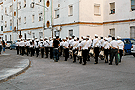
(0, 45)
(3, 44)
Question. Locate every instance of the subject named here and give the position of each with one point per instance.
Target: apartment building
(66, 18)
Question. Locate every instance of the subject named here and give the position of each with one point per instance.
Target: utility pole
(12, 20)
(52, 16)
(17, 20)
(43, 18)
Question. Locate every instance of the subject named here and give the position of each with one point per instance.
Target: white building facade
(66, 18)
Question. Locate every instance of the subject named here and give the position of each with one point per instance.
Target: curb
(16, 74)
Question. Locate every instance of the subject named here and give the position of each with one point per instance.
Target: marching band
(104, 48)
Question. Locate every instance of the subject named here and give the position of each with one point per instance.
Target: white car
(8, 43)
(133, 47)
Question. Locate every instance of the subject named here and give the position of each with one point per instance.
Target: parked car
(12, 46)
(8, 43)
(129, 46)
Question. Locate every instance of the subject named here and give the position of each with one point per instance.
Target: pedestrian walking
(41, 44)
(114, 51)
(0, 45)
(66, 49)
(56, 45)
(121, 47)
(96, 44)
(37, 47)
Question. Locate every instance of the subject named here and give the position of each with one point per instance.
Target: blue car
(12, 46)
(129, 46)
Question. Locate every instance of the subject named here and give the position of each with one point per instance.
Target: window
(1, 17)
(70, 10)
(112, 8)
(5, 10)
(112, 32)
(132, 32)
(39, 0)
(1, 7)
(24, 3)
(10, 22)
(57, 13)
(1, 28)
(33, 18)
(24, 20)
(97, 9)
(5, 24)
(70, 32)
(57, 33)
(10, 37)
(19, 20)
(19, 5)
(11, 8)
(40, 17)
(5, 37)
(33, 35)
(132, 5)
(40, 34)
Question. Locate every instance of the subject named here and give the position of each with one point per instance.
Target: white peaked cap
(96, 35)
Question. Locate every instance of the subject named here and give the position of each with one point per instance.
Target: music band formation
(75, 48)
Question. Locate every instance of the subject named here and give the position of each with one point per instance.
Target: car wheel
(124, 53)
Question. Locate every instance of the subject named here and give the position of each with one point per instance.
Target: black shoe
(65, 60)
(96, 63)
(74, 61)
(116, 63)
(106, 61)
(80, 62)
(84, 64)
(110, 63)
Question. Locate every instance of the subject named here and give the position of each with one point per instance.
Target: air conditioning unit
(58, 28)
(29, 32)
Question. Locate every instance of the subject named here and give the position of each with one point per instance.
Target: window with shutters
(40, 17)
(24, 20)
(132, 32)
(57, 13)
(5, 10)
(70, 13)
(19, 5)
(112, 32)
(10, 22)
(70, 32)
(33, 18)
(10, 8)
(97, 9)
(112, 8)
(5, 24)
(24, 3)
(132, 5)
(19, 20)
(1, 7)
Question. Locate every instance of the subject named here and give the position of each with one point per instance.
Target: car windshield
(133, 42)
(9, 41)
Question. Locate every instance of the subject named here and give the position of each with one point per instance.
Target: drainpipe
(43, 18)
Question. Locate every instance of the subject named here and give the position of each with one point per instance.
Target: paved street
(44, 74)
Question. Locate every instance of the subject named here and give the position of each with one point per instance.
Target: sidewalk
(12, 65)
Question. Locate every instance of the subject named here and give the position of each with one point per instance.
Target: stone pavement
(11, 66)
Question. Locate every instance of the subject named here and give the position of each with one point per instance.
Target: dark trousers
(31, 52)
(51, 52)
(56, 54)
(84, 54)
(60, 50)
(37, 51)
(17, 48)
(106, 54)
(46, 50)
(114, 52)
(121, 54)
(42, 52)
(22, 50)
(88, 56)
(74, 55)
(96, 51)
(27, 48)
(66, 51)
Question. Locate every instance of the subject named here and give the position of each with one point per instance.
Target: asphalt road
(44, 74)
